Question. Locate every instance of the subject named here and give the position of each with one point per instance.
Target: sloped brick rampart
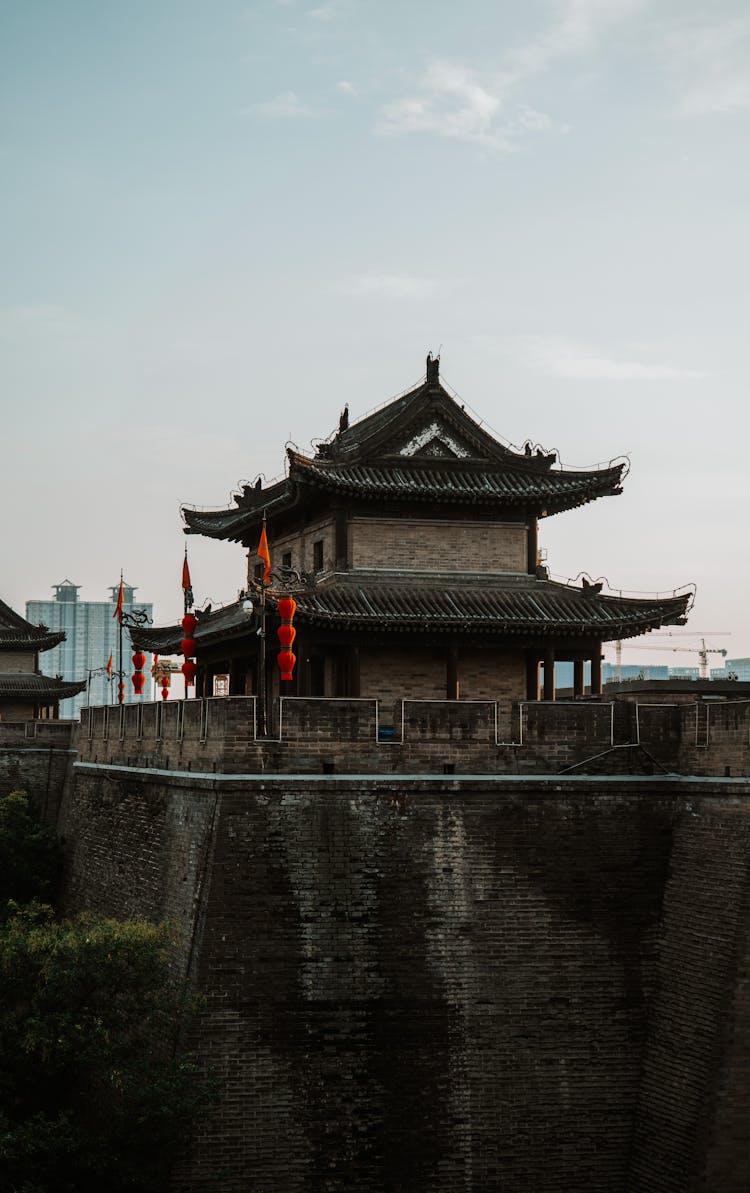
(428, 985)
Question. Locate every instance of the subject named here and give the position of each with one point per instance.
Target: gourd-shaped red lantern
(164, 692)
(138, 678)
(287, 608)
(189, 622)
(189, 668)
(286, 661)
(187, 646)
(286, 634)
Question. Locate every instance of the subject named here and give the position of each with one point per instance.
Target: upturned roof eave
(624, 617)
(31, 687)
(40, 643)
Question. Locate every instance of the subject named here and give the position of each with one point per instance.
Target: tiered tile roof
(421, 448)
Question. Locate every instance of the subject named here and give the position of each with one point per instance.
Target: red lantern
(120, 693)
(187, 646)
(139, 660)
(286, 635)
(189, 622)
(139, 680)
(287, 607)
(286, 661)
(189, 669)
(164, 692)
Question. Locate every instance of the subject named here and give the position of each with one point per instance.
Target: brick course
(441, 546)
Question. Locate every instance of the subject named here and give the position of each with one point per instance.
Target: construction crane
(702, 651)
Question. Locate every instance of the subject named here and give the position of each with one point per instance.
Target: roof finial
(344, 419)
(433, 367)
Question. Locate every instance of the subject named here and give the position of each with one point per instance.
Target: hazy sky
(222, 221)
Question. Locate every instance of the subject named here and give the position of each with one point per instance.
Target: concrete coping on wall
(208, 779)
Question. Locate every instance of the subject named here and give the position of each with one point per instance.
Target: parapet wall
(421, 736)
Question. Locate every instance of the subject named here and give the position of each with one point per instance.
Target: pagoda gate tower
(415, 533)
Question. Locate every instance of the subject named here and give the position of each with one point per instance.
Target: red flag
(264, 555)
(186, 581)
(118, 607)
(109, 666)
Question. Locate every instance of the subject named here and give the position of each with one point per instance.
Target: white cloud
(286, 106)
(712, 64)
(578, 26)
(346, 88)
(391, 285)
(558, 357)
(452, 103)
(450, 100)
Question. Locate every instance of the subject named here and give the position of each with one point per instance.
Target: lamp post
(135, 618)
(100, 671)
(280, 582)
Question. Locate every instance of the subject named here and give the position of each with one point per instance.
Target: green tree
(92, 1095)
(96, 1093)
(30, 854)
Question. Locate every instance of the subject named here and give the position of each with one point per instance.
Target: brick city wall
(424, 985)
(35, 756)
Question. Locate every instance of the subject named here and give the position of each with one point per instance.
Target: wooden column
(549, 673)
(532, 540)
(233, 688)
(596, 671)
(578, 685)
(354, 671)
(451, 672)
(532, 677)
(341, 673)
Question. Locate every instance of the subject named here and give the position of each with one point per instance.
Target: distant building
(91, 633)
(611, 672)
(25, 693)
(732, 669)
(684, 673)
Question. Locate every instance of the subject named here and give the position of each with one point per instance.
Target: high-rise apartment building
(91, 636)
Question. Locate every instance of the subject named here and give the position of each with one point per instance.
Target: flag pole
(120, 684)
(262, 729)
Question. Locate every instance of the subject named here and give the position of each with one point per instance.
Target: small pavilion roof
(29, 685)
(16, 633)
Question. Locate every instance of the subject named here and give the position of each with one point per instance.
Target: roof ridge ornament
(433, 369)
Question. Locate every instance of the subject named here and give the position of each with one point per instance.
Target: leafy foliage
(30, 855)
(91, 1095)
(95, 1093)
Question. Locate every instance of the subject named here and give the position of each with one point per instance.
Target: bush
(93, 1094)
(30, 855)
